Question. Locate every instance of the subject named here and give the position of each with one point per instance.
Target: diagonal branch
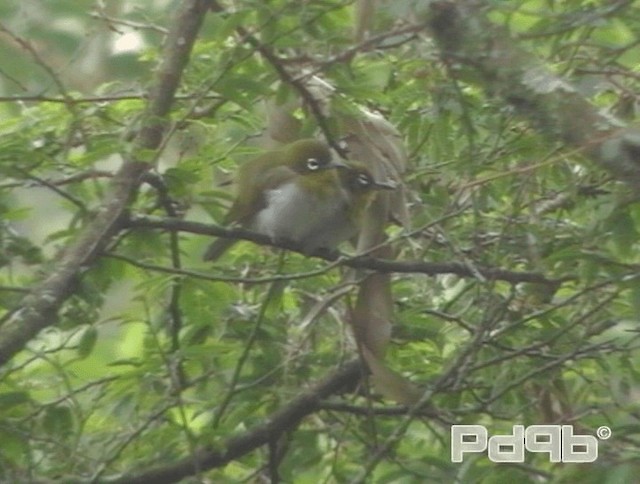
(467, 38)
(39, 309)
(276, 63)
(283, 420)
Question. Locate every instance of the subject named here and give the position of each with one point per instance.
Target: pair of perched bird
(300, 194)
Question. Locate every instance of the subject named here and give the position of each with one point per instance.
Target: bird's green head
(361, 186)
(357, 179)
(308, 156)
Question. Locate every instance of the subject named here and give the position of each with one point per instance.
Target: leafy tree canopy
(515, 291)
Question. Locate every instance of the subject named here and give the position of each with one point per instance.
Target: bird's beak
(385, 185)
(337, 164)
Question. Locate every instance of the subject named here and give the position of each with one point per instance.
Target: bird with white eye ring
(299, 194)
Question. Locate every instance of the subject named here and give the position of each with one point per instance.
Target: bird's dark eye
(364, 180)
(313, 164)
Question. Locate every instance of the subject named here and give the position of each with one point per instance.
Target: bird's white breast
(293, 213)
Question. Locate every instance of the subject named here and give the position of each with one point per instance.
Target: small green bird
(286, 193)
(296, 194)
(359, 188)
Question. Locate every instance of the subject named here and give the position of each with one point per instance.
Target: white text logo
(558, 441)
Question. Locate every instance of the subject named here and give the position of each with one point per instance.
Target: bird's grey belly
(293, 214)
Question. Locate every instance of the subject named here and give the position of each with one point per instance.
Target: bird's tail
(217, 248)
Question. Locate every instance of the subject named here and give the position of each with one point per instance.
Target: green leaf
(58, 421)
(14, 446)
(87, 341)
(11, 399)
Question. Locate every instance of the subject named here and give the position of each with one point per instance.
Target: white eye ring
(364, 180)
(313, 164)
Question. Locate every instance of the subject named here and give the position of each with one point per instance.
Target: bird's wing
(275, 177)
(254, 185)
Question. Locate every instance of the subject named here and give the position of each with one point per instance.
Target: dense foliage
(155, 355)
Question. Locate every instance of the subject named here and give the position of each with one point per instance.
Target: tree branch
(39, 309)
(283, 420)
(466, 37)
(278, 65)
(358, 262)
